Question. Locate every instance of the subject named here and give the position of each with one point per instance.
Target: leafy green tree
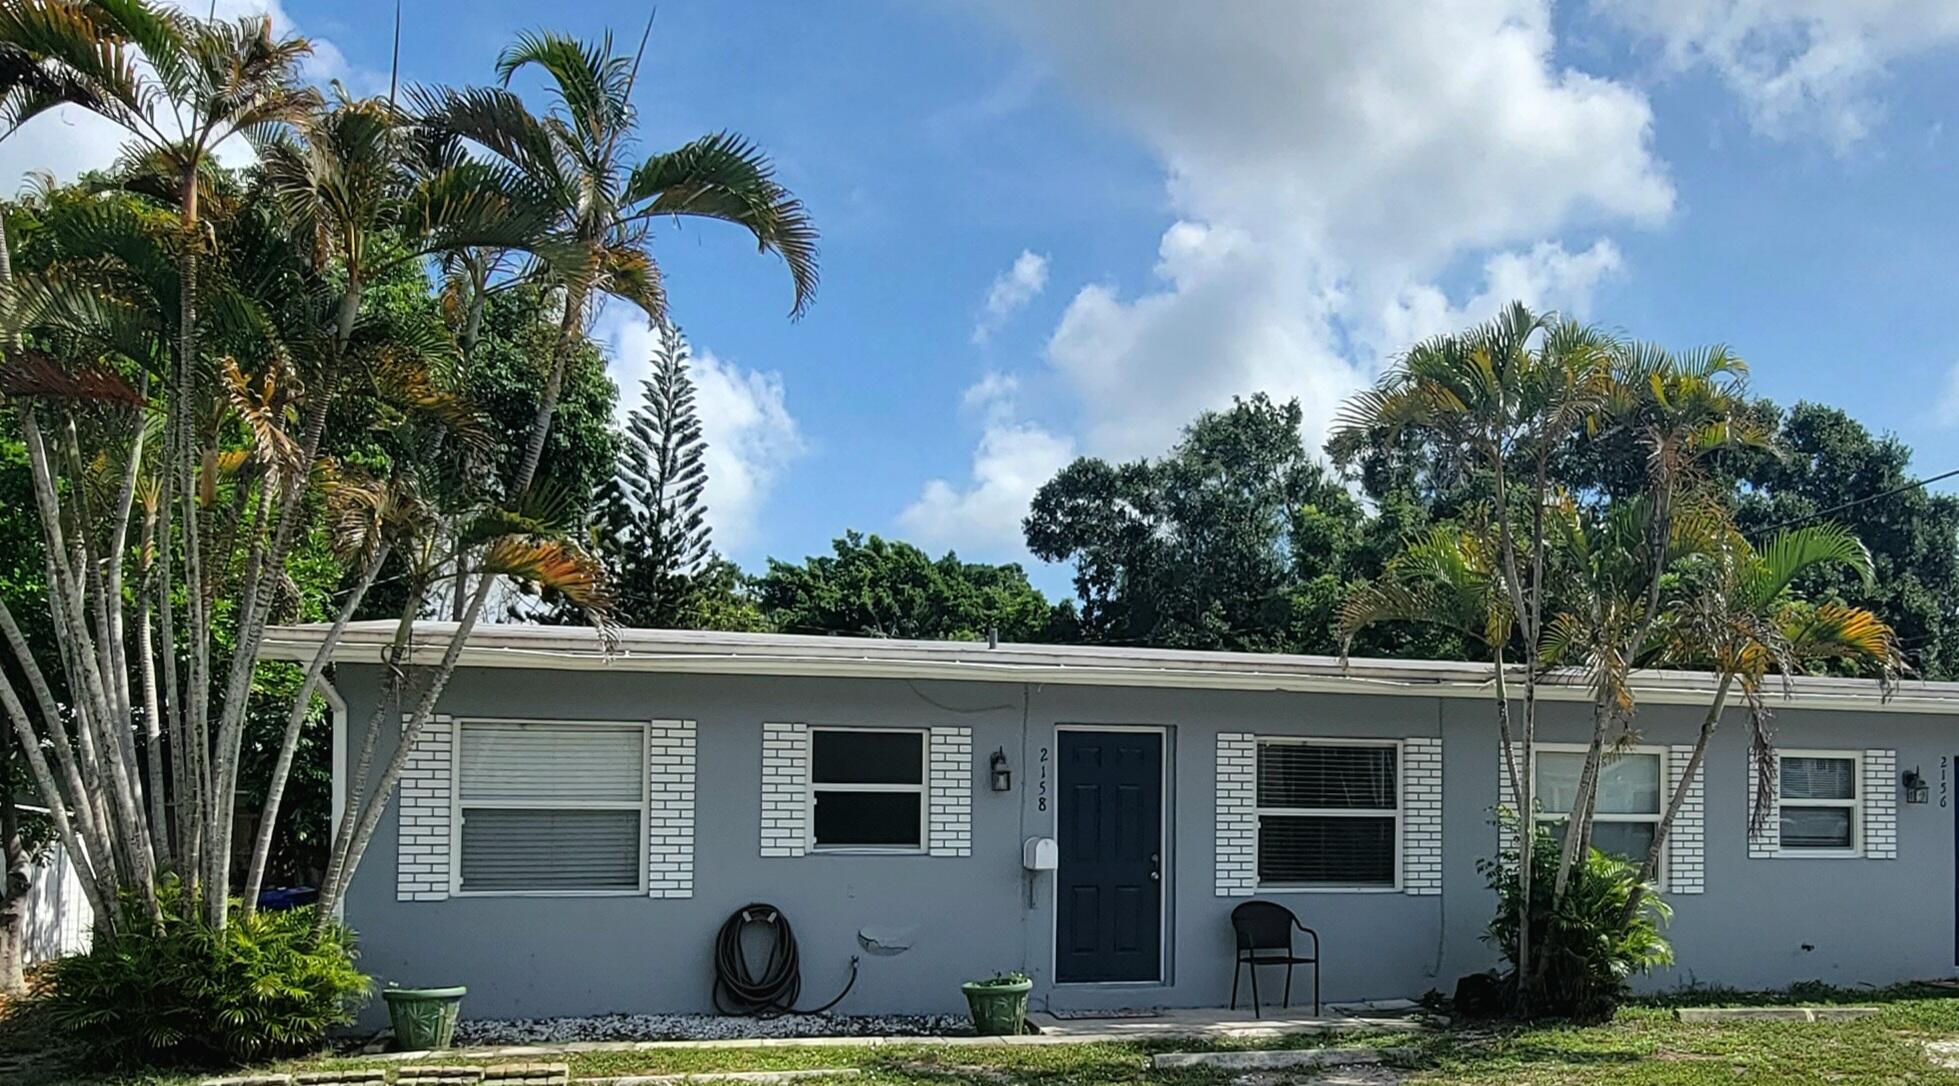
(1235, 539)
(1832, 468)
(874, 587)
(654, 528)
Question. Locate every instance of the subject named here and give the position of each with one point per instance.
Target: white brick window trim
(1876, 811)
(1880, 795)
(1421, 816)
(1686, 871)
(1236, 863)
(670, 770)
(1763, 842)
(950, 792)
(785, 798)
(424, 842)
(1235, 870)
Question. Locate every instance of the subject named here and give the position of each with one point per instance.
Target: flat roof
(710, 652)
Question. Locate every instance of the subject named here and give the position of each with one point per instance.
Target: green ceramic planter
(424, 1018)
(999, 1010)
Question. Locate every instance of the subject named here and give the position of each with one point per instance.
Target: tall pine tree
(655, 533)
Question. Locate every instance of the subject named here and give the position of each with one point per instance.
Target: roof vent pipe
(993, 637)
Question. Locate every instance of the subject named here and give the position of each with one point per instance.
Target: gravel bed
(704, 1027)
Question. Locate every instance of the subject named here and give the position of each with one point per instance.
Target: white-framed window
(550, 807)
(1631, 796)
(867, 789)
(1329, 814)
(1819, 802)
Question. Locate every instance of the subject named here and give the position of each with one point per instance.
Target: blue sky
(1053, 230)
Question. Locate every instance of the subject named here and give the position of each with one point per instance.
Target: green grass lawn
(1644, 1045)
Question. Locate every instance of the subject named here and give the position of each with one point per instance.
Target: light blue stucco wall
(1761, 922)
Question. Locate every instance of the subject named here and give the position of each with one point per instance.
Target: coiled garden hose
(773, 990)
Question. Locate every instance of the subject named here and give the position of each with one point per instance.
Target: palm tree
(179, 87)
(572, 163)
(1739, 619)
(1500, 398)
(573, 160)
(357, 184)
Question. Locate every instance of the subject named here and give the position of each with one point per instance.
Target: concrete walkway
(1212, 1024)
(1202, 1024)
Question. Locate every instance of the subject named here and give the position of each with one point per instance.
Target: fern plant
(186, 993)
(1592, 943)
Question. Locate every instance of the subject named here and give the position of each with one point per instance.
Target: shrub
(1586, 953)
(182, 993)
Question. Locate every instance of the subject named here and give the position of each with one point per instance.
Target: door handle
(1156, 876)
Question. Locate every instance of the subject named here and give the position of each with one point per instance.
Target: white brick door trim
(950, 792)
(1236, 862)
(425, 839)
(1421, 816)
(670, 773)
(785, 791)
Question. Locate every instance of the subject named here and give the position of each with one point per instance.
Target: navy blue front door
(1109, 885)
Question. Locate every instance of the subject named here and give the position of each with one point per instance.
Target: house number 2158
(1041, 784)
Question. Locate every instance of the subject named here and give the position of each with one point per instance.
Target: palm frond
(35, 374)
(724, 176)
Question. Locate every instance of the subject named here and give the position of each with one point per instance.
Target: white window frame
(923, 789)
(1855, 805)
(1259, 742)
(573, 803)
(1545, 818)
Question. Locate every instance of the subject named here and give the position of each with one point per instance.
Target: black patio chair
(1264, 930)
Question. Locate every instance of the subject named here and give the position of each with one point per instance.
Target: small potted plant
(423, 1018)
(999, 1003)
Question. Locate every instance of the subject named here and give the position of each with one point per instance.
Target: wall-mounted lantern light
(1003, 778)
(1916, 790)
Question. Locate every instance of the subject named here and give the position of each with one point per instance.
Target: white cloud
(1326, 162)
(751, 435)
(66, 141)
(1546, 276)
(1798, 66)
(1011, 291)
(1013, 459)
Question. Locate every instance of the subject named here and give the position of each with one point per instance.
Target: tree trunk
(14, 879)
(346, 855)
(1650, 870)
(289, 742)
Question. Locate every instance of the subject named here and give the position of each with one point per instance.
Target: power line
(1854, 502)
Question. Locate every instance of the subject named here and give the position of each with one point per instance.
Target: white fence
(59, 919)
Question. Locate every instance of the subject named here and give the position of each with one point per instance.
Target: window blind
(551, 807)
(1314, 776)
(504, 763)
(1328, 815)
(506, 850)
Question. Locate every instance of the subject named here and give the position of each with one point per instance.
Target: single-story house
(583, 815)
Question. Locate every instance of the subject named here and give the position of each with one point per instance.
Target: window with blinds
(551, 808)
(1329, 814)
(1817, 801)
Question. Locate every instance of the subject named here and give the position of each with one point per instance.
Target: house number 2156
(1041, 784)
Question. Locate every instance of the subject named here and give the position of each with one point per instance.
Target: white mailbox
(1039, 854)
